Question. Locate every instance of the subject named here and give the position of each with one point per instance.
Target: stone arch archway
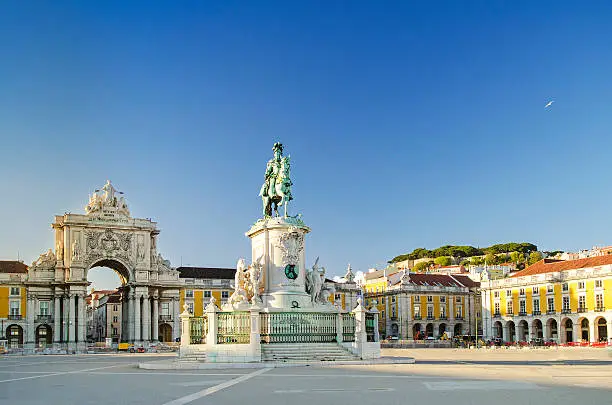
(584, 329)
(165, 333)
(458, 329)
(601, 329)
(498, 330)
(14, 335)
(537, 329)
(106, 235)
(429, 330)
(43, 336)
(552, 329)
(567, 330)
(523, 331)
(416, 331)
(511, 331)
(123, 270)
(442, 329)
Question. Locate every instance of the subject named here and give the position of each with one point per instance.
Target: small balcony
(551, 312)
(417, 317)
(497, 315)
(566, 311)
(15, 317)
(430, 318)
(459, 317)
(165, 318)
(522, 313)
(582, 309)
(44, 318)
(443, 317)
(600, 308)
(537, 313)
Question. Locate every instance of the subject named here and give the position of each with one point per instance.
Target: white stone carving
(255, 281)
(140, 251)
(315, 278)
(59, 250)
(108, 244)
(291, 244)
(104, 201)
(76, 250)
(45, 261)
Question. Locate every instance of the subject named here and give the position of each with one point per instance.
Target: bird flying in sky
(549, 104)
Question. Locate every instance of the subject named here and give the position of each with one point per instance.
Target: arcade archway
(14, 335)
(165, 333)
(44, 336)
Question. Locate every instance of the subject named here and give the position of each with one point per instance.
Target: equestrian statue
(276, 190)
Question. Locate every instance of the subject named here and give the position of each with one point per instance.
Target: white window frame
(43, 305)
(15, 308)
(565, 303)
(189, 293)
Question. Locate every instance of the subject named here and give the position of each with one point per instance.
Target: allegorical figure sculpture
(276, 189)
(239, 295)
(314, 281)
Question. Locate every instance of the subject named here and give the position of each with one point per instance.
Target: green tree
(443, 260)
(534, 257)
(477, 261)
(421, 267)
(490, 258)
(517, 257)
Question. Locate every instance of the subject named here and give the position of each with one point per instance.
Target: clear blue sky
(409, 124)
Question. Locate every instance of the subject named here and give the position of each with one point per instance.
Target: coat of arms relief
(291, 244)
(108, 244)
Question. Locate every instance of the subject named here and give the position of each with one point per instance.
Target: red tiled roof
(553, 266)
(439, 279)
(12, 266)
(466, 281)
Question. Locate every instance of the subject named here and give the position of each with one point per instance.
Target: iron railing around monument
(233, 327)
(298, 327)
(348, 327)
(369, 326)
(198, 328)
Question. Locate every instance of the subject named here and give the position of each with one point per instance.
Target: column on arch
(30, 310)
(137, 318)
(71, 318)
(146, 318)
(81, 320)
(57, 318)
(131, 317)
(176, 328)
(65, 318)
(577, 332)
(592, 328)
(155, 327)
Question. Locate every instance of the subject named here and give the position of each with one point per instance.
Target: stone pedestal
(278, 244)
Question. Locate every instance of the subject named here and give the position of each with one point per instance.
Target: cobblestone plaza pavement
(440, 376)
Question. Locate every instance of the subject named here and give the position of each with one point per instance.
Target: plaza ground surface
(440, 376)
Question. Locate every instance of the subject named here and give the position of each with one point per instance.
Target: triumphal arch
(106, 235)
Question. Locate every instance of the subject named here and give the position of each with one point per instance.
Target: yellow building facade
(13, 299)
(417, 306)
(564, 301)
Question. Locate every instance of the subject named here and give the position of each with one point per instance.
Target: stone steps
(305, 352)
